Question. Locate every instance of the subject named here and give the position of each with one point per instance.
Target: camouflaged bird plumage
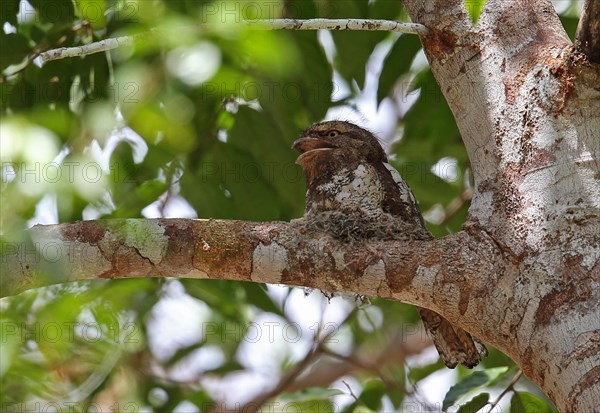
(354, 194)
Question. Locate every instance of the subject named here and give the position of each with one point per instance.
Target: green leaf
(471, 382)
(240, 179)
(397, 63)
(23, 93)
(301, 9)
(230, 183)
(107, 319)
(132, 185)
(227, 367)
(93, 11)
(15, 48)
(54, 11)
(475, 404)
(496, 358)
(419, 373)
(153, 123)
(522, 402)
(425, 142)
(497, 373)
(254, 131)
(474, 8)
(570, 24)
(386, 9)
(8, 11)
(477, 379)
(310, 393)
(357, 407)
(397, 373)
(256, 294)
(314, 80)
(438, 136)
(93, 70)
(297, 97)
(199, 397)
(220, 295)
(184, 352)
(372, 394)
(353, 48)
(60, 120)
(54, 82)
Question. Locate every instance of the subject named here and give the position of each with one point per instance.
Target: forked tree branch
(397, 349)
(273, 24)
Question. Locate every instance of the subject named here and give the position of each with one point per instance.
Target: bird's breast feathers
(357, 190)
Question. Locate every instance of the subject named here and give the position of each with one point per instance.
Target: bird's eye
(332, 133)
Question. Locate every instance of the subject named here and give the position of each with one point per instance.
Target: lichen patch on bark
(268, 263)
(147, 237)
(374, 281)
(426, 278)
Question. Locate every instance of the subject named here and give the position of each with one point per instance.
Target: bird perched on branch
(354, 194)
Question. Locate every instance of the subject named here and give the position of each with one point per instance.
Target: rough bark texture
(528, 107)
(588, 31)
(523, 275)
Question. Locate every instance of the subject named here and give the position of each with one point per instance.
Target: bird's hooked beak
(308, 147)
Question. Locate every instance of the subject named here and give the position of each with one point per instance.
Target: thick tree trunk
(528, 107)
(523, 275)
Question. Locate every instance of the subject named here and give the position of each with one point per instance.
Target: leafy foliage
(474, 8)
(200, 123)
(473, 381)
(523, 402)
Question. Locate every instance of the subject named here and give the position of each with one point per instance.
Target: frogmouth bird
(354, 194)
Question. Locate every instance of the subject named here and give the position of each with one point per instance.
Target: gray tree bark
(528, 108)
(523, 274)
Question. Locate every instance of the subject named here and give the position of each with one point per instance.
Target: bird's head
(326, 142)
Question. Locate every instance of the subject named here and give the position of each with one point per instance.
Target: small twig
(168, 194)
(340, 24)
(508, 388)
(254, 405)
(455, 205)
(96, 47)
(274, 24)
(318, 349)
(374, 368)
(364, 366)
(350, 390)
(417, 396)
(41, 51)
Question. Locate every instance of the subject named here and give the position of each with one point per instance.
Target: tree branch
(524, 102)
(443, 15)
(508, 388)
(587, 40)
(274, 24)
(310, 358)
(452, 276)
(397, 349)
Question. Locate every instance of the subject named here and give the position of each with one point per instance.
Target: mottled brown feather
(353, 195)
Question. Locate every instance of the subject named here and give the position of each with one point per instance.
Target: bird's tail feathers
(454, 344)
